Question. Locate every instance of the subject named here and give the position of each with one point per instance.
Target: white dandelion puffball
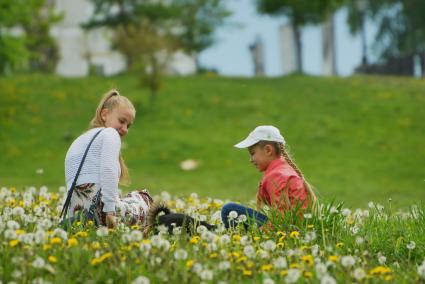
(189, 165)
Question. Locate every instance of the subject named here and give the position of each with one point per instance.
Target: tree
(401, 26)
(198, 19)
(299, 13)
(32, 43)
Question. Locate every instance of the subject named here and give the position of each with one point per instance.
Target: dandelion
(266, 267)
(292, 276)
(180, 254)
(72, 242)
(308, 215)
(269, 245)
(38, 262)
(206, 275)
(18, 211)
(294, 234)
(246, 272)
(307, 259)
(194, 240)
(280, 263)
(321, 270)
(52, 259)
(189, 264)
(327, 279)
(359, 274)
(224, 265)
(382, 259)
(249, 251)
(268, 281)
(333, 258)
(347, 261)
(141, 280)
(102, 232)
(421, 270)
(339, 245)
(13, 225)
(345, 212)
(13, 243)
(411, 245)
(233, 215)
(380, 270)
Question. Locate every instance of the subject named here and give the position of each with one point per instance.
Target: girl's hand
(111, 221)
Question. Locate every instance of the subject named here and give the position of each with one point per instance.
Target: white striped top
(101, 165)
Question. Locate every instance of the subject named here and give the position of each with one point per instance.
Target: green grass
(355, 139)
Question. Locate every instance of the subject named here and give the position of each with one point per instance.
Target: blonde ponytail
(110, 101)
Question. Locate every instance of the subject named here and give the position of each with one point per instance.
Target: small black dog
(172, 220)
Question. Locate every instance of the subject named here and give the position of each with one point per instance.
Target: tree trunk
(298, 48)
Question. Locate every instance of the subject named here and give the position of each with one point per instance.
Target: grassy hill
(356, 139)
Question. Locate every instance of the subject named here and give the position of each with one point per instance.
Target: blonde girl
(283, 186)
(96, 193)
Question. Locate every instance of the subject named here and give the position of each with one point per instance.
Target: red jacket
(281, 186)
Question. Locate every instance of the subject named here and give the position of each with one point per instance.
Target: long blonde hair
(281, 151)
(110, 101)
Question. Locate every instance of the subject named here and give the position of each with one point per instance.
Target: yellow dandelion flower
(307, 274)
(194, 240)
(307, 259)
(294, 265)
(52, 259)
(241, 259)
(95, 261)
(214, 255)
(72, 242)
(280, 245)
(105, 245)
(388, 278)
(294, 234)
(310, 226)
(146, 241)
(266, 267)
(56, 241)
(339, 245)
(246, 272)
(54, 196)
(81, 234)
(257, 239)
(13, 189)
(90, 223)
(380, 270)
(13, 243)
(236, 238)
(78, 223)
(95, 245)
(46, 247)
(135, 227)
(333, 258)
(284, 272)
(20, 232)
(249, 264)
(189, 264)
(236, 254)
(304, 247)
(105, 256)
(21, 203)
(281, 234)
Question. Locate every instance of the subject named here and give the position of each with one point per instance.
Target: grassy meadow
(356, 139)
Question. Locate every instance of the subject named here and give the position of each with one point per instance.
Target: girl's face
(120, 118)
(261, 156)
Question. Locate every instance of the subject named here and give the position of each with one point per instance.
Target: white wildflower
(327, 279)
(346, 212)
(39, 236)
(421, 270)
(141, 280)
(38, 262)
(224, 239)
(359, 274)
(201, 229)
(177, 231)
(249, 251)
(411, 245)
(382, 259)
(371, 205)
(224, 265)
(333, 210)
(268, 245)
(13, 225)
(280, 263)
(180, 254)
(242, 218)
(359, 240)
(321, 269)
(206, 275)
(355, 230)
(293, 275)
(308, 215)
(268, 281)
(232, 215)
(102, 231)
(18, 211)
(347, 261)
(10, 234)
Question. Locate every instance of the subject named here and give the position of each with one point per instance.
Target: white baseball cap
(261, 133)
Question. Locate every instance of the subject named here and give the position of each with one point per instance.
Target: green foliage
(33, 47)
(355, 139)
(198, 20)
(401, 25)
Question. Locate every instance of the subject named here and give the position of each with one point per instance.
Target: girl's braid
(289, 160)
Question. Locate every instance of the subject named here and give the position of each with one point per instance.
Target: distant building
(257, 53)
(81, 50)
(288, 49)
(329, 52)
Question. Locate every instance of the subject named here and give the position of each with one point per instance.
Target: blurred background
(342, 79)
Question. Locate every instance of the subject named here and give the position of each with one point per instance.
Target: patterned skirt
(131, 209)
